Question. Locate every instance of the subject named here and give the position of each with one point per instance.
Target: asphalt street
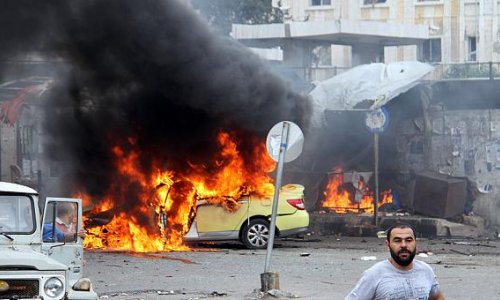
(316, 267)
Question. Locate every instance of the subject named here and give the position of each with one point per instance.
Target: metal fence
(468, 70)
(442, 71)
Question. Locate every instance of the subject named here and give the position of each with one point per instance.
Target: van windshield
(17, 214)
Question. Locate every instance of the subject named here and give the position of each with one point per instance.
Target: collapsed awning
(365, 87)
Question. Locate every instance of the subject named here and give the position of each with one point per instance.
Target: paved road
(313, 268)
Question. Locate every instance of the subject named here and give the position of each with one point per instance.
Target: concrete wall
(465, 143)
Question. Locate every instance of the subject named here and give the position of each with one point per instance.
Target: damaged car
(248, 218)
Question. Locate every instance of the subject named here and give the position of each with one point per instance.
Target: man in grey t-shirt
(400, 277)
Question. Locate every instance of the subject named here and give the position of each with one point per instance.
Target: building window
(471, 48)
(320, 2)
(368, 2)
(431, 51)
(26, 139)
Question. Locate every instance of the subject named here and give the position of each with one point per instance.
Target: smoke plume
(148, 74)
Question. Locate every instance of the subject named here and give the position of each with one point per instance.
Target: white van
(33, 264)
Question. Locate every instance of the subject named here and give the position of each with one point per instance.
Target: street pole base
(269, 281)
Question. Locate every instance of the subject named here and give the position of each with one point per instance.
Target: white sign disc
(294, 145)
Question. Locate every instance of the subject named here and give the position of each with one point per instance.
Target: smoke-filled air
(146, 96)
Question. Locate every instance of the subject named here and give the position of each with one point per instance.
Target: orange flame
(339, 198)
(167, 198)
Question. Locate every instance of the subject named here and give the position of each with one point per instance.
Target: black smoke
(144, 74)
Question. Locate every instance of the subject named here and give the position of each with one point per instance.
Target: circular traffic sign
(293, 147)
(377, 120)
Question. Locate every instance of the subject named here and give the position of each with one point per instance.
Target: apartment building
(346, 33)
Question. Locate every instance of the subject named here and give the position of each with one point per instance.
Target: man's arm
(364, 289)
(438, 296)
(435, 293)
(71, 236)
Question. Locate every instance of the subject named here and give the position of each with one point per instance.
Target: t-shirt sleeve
(435, 284)
(365, 288)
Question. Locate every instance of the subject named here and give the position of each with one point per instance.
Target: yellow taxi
(248, 219)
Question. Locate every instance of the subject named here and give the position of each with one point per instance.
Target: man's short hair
(400, 225)
(64, 208)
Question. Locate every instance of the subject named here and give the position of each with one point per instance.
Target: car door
(68, 252)
(216, 219)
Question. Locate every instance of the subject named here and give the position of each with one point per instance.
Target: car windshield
(16, 214)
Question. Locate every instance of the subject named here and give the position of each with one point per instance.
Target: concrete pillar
(365, 54)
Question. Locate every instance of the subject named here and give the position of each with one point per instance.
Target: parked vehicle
(249, 221)
(29, 267)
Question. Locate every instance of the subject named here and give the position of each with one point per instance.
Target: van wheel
(256, 234)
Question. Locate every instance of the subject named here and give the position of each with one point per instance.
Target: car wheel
(256, 234)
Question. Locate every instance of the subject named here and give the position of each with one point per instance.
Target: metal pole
(1, 170)
(279, 172)
(375, 204)
(19, 157)
(41, 188)
(490, 65)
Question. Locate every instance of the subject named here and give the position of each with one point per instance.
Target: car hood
(28, 258)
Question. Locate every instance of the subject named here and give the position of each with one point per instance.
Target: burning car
(248, 218)
(226, 198)
(29, 267)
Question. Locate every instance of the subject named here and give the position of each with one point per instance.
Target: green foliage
(221, 14)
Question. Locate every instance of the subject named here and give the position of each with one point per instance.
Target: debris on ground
(461, 252)
(139, 292)
(217, 294)
(257, 294)
(425, 253)
(368, 258)
(165, 292)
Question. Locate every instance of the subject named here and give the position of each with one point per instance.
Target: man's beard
(403, 261)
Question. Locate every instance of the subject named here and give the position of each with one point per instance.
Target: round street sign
(295, 141)
(377, 120)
